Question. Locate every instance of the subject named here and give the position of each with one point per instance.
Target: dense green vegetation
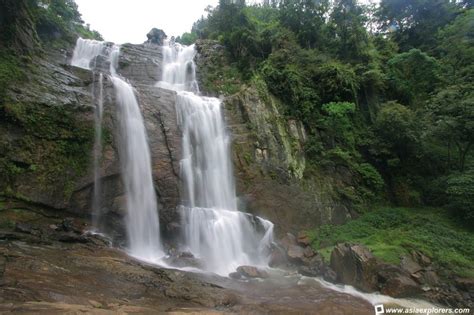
(51, 143)
(391, 233)
(59, 20)
(29, 24)
(385, 91)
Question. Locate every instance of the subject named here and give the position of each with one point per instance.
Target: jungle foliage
(386, 91)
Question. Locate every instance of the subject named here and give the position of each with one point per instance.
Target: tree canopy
(386, 90)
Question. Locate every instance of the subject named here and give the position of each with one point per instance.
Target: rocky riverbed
(50, 264)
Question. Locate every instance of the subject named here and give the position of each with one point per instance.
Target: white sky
(128, 21)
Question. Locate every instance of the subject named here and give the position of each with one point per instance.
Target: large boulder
(249, 272)
(314, 268)
(409, 265)
(401, 286)
(156, 36)
(396, 282)
(355, 265)
(296, 254)
(278, 257)
(304, 239)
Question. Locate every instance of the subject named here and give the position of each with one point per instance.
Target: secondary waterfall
(96, 202)
(214, 230)
(142, 222)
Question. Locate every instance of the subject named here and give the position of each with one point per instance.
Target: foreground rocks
(414, 277)
(245, 272)
(355, 265)
(42, 272)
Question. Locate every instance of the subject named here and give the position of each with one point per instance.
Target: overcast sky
(128, 21)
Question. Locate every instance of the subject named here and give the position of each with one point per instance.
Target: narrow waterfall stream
(142, 221)
(214, 230)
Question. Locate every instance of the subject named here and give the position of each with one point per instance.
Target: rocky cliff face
(141, 65)
(47, 134)
(270, 167)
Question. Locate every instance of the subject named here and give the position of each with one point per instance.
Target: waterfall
(143, 228)
(142, 221)
(214, 230)
(86, 51)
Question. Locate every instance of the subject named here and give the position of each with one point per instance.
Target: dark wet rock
(141, 64)
(236, 275)
(355, 265)
(8, 235)
(303, 239)
(296, 254)
(278, 257)
(183, 259)
(72, 237)
(430, 277)
(23, 228)
(420, 258)
(156, 36)
(3, 262)
(396, 282)
(330, 275)
(401, 286)
(308, 252)
(466, 284)
(409, 265)
(251, 272)
(71, 225)
(288, 240)
(314, 267)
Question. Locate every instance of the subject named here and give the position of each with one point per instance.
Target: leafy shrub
(460, 191)
(370, 176)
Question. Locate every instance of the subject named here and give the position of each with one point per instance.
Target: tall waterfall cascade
(214, 230)
(142, 221)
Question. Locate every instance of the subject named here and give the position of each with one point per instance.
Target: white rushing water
(86, 51)
(142, 221)
(214, 230)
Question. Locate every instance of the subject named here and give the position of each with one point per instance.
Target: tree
(396, 127)
(413, 76)
(414, 23)
(305, 18)
(348, 32)
(337, 121)
(452, 121)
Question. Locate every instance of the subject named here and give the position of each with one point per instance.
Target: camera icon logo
(379, 309)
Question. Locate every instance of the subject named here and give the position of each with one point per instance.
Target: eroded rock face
(140, 65)
(268, 154)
